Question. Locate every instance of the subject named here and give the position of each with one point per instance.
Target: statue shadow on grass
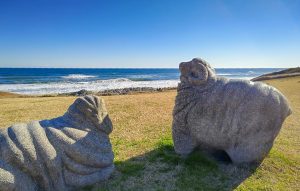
(163, 169)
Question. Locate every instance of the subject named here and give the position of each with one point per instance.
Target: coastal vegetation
(144, 154)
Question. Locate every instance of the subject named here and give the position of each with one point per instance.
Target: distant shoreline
(122, 91)
(291, 72)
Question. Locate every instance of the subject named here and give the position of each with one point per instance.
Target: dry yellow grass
(9, 95)
(137, 118)
(142, 122)
(288, 140)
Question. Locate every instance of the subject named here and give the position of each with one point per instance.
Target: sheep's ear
(184, 71)
(90, 111)
(198, 73)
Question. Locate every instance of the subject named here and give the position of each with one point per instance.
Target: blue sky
(149, 33)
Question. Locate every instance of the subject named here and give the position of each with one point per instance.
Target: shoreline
(120, 91)
(135, 90)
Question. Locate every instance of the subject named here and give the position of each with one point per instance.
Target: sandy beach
(143, 150)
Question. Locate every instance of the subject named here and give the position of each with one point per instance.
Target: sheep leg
(249, 153)
(6, 180)
(12, 179)
(183, 142)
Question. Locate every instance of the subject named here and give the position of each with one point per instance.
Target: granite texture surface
(63, 153)
(239, 117)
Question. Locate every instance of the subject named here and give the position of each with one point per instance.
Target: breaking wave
(78, 76)
(98, 85)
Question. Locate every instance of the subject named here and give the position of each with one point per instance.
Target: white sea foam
(224, 74)
(143, 76)
(99, 85)
(78, 76)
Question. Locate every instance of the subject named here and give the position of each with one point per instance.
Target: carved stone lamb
(67, 152)
(239, 117)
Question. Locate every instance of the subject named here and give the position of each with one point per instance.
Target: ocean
(39, 81)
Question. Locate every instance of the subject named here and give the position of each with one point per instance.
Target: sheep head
(90, 111)
(196, 72)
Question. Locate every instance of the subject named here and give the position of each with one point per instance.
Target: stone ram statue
(64, 153)
(239, 117)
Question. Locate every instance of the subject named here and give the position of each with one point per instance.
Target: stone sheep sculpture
(63, 153)
(239, 117)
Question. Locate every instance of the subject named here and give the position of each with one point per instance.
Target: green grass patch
(280, 157)
(130, 168)
(164, 152)
(197, 171)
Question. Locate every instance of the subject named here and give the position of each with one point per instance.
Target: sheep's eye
(193, 74)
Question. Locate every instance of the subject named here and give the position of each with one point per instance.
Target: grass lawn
(144, 154)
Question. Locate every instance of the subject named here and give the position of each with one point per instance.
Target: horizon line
(137, 68)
